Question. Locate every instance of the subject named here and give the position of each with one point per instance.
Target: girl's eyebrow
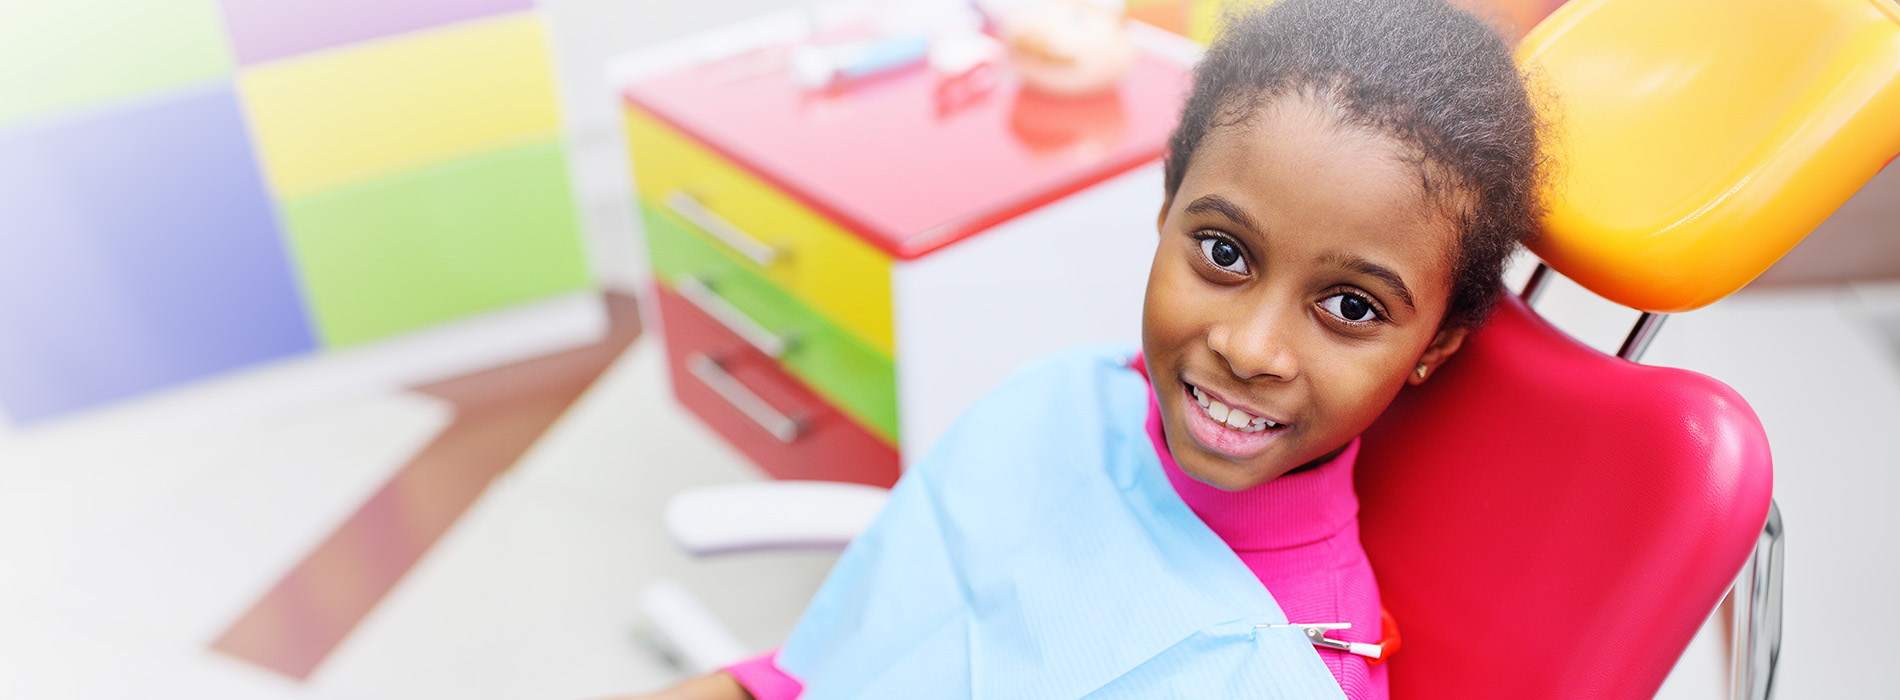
(1372, 269)
(1216, 204)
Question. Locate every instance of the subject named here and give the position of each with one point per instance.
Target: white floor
(126, 557)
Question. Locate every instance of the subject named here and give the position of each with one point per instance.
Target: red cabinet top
(888, 159)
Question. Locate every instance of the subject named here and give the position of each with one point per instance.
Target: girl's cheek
(1168, 300)
(1370, 390)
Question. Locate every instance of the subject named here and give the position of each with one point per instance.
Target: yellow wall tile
(331, 118)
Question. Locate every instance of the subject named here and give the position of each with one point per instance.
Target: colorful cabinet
(840, 274)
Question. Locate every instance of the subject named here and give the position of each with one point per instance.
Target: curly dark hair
(1438, 81)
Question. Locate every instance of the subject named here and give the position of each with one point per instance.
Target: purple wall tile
(138, 250)
(263, 30)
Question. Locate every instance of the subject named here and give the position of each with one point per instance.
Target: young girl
(1345, 185)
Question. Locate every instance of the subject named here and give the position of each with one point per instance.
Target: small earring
(1420, 370)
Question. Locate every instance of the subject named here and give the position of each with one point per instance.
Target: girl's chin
(1224, 475)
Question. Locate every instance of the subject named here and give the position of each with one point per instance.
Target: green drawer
(834, 363)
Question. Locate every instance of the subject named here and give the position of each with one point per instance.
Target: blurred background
(342, 357)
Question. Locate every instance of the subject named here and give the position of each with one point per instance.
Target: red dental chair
(1547, 521)
(1572, 546)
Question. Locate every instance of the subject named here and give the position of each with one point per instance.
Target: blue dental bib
(1038, 551)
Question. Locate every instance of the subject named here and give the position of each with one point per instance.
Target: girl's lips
(1196, 391)
(1218, 438)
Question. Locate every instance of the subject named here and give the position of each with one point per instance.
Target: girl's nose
(1261, 344)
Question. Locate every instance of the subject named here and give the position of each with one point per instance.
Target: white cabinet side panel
(1070, 273)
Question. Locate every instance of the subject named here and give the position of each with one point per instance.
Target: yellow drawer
(828, 268)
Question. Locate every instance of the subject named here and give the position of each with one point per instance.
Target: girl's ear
(1161, 219)
(1447, 341)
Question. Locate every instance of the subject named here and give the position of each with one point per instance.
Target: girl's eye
(1350, 307)
(1223, 253)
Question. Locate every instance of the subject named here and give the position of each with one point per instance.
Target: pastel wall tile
(263, 30)
(332, 118)
(64, 54)
(408, 251)
(138, 249)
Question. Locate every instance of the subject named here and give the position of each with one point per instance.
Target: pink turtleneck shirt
(1299, 534)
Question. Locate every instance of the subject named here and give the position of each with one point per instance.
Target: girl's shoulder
(1072, 409)
(1090, 371)
(1085, 381)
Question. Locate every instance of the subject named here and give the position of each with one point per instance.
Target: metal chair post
(1534, 287)
(1755, 649)
(1647, 325)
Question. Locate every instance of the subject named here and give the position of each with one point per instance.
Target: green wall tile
(65, 54)
(441, 243)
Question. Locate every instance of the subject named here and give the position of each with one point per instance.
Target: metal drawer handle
(702, 297)
(690, 209)
(715, 377)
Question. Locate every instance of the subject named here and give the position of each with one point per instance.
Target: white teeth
(1238, 419)
(1233, 418)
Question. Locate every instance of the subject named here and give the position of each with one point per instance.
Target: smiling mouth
(1235, 434)
(1228, 416)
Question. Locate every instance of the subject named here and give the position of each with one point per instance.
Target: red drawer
(769, 415)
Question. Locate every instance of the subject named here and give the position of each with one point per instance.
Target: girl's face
(1299, 282)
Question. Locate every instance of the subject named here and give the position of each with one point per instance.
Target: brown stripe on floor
(499, 414)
